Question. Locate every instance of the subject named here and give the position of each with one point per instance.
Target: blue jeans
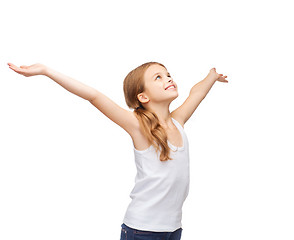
(128, 233)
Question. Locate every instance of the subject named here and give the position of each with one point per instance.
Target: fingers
(16, 68)
(224, 79)
(221, 75)
(12, 66)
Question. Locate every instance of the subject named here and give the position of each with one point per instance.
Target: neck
(162, 112)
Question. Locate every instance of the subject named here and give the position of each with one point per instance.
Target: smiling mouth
(171, 87)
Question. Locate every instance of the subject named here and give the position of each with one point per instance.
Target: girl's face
(159, 85)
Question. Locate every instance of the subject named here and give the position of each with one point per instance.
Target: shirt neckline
(174, 148)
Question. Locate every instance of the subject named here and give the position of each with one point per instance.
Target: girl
(160, 144)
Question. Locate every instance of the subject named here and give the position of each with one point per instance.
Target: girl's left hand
(218, 77)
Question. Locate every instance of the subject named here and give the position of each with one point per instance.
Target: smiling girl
(161, 147)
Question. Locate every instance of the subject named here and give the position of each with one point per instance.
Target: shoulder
(139, 138)
(133, 123)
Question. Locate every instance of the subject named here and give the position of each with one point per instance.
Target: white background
(66, 170)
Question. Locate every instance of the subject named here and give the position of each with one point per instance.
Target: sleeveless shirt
(161, 188)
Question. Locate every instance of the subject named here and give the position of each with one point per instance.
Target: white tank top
(161, 188)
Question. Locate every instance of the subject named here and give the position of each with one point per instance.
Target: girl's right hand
(27, 71)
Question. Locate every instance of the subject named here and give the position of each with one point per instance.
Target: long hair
(149, 122)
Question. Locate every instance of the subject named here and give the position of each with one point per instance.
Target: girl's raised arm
(197, 94)
(124, 118)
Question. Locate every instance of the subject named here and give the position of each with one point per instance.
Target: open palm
(217, 76)
(27, 71)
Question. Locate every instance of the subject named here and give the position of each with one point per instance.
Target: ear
(143, 98)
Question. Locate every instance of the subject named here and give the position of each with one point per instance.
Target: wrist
(46, 71)
(210, 78)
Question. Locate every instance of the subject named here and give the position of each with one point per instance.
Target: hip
(128, 233)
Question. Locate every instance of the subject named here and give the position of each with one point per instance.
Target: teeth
(170, 87)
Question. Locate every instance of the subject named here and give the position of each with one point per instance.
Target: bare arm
(71, 85)
(197, 94)
(124, 118)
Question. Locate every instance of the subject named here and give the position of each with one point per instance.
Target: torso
(173, 136)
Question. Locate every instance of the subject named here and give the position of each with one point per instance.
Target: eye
(157, 76)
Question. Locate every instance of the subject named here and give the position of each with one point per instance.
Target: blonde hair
(149, 122)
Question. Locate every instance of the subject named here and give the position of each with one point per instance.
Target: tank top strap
(178, 125)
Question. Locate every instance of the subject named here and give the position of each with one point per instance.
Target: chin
(175, 96)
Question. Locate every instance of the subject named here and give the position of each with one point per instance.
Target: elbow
(92, 97)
